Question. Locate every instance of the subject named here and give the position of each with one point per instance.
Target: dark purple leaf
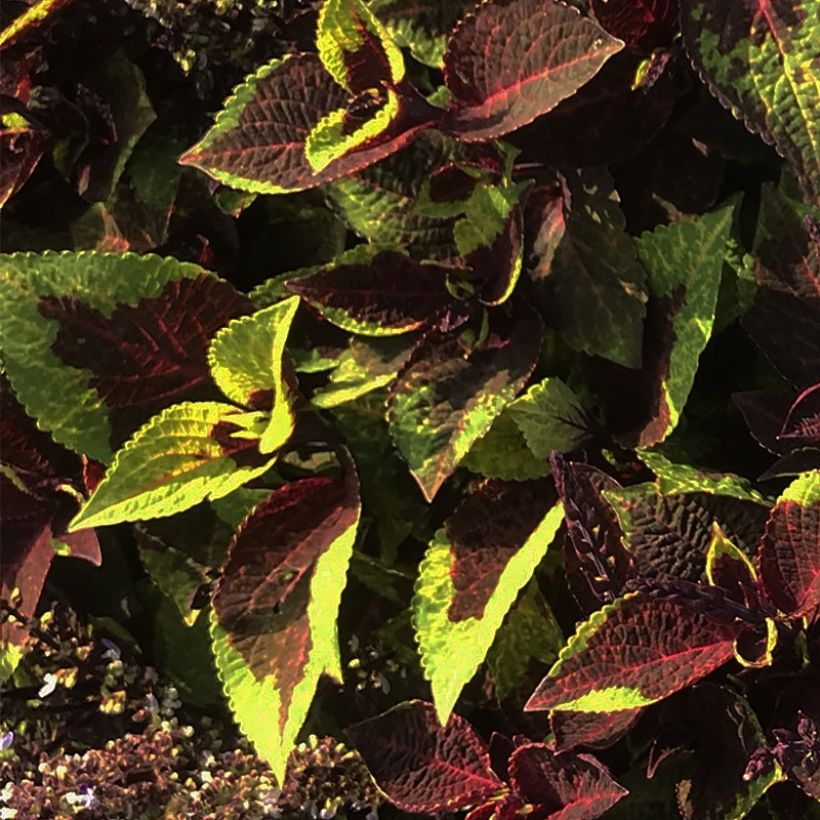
(641, 24)
(802, 423)
(422, 766)
(20, 151)
(591, 730)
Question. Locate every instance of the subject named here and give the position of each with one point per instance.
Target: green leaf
(355, 48)
(549, 416)
(246, 359)
(671, 479)
(446, 398)
(761, 60)
(275, 608)
(182, 456)
(452, 645)
(529, 633)
(62, 398)
(594, 289)
(684, 263)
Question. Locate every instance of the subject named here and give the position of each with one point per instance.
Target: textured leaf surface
(783, 316)
(632, 653)
(670, 535)
(422, 766)
(684, 263)
(790, 550)
(180, 457)
(391, 295)
(549, 416)
(355, 48)
(20, 148)
(591, 730)
(258, 140)
(802, 423)
(570, 786)
(275, 607)
(247, 362)
(760, 59)
(498, 84)
(642, 24)
(471, 575)
(595, 299)
(65, 400)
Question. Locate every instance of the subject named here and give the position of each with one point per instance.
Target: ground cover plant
(431, 392)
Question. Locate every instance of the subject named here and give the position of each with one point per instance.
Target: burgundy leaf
(764, 412)
(568, 785)
(790, 550)
(802, 422)
(422, 766)
(266, 145)
(148, 356)
(498, 83)
(486, 531)
(641, 24)
(497, 266)
(508, 807)
(594, 552)
(262, 595)
(20, 151)
(797, 461)
(641, 649)
(591, 730)
(392, 294)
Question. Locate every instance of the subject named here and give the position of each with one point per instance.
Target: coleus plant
(523, 335)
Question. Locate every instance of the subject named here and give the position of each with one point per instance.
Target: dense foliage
(453, 393)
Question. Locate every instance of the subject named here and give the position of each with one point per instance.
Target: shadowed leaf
(496, 85)
(443, 401)
(20, 150)
(641, 24)
(422, 766)
(802, 423)
(591, 730)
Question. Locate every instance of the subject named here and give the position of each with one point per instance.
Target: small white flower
(49, 685)
(7, 814)
(84, 798)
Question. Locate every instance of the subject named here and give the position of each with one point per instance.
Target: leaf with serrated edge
(171, 463)
(634, 652)
(424, 767)
(684, 263)
(355, 48)
(434, 425)
(391, 295)
(273, 625)
(760, 59)
(789, 556)
(454, 636)
(61, 398)
(246, 357)
(258, 140)
(499, 85)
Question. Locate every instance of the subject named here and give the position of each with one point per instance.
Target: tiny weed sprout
(410, 407)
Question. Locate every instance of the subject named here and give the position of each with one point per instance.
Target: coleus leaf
(548, 416)
(378, 203)
(563, 785)
(422, 25)
(471, 575)
(391, 295)
(95, 344)
(730, 568)
(783, 316)
(634, 652)
(669, 535)
(422, 766)
(246, 359)
(355, 48)
(529, 634)
(594, 550)
(367, 365)
(641, 24)
(596, 302)
(36, 15)
(258, 142)
(789, 556)
(443, 401)
(684, 263)
(276, 603)
(591, 730)
(20, 150)
(760, 60)
(187, 453)
(496, 87)
(802, 422)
